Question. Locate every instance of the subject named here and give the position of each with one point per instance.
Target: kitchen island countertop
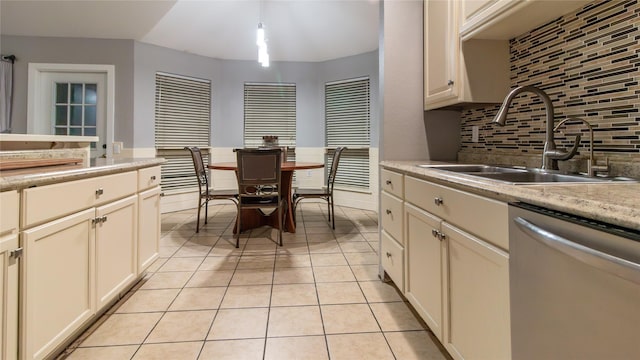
(615, 203)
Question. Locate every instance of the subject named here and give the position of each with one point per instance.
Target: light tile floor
(317, 297)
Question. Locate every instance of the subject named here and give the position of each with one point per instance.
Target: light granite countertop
(20, 179)
(616, 203)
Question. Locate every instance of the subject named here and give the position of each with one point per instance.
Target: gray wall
(74, 51)
(136, 64)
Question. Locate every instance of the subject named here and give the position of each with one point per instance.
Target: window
(347, 119)
(183, 118)
(75, 109)
(269, 109)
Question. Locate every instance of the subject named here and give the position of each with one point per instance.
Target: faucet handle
(565, 155)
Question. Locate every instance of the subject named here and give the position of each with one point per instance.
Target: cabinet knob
(388, 254)
(442, 236)
(438, 201)
(153, 177)
(388, 182)
(103, 218)
(100, 191)
(435, 233)
(450, 82)
(388, 212)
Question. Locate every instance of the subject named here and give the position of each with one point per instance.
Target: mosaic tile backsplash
(588, 63)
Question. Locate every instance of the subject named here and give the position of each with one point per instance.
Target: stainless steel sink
(523, 176)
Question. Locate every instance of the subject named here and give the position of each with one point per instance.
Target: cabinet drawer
(392, 259)
(44, 203)
(115, 186)
(391, 215)
(8, 211)
(483, 217)
(392, 182)
(148, 178)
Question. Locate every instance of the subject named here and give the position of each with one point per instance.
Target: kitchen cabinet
(148, 216)
(391, 220)
(9, 266)
(78, 255)
(506, 19)
(457, 73)
(456, 268)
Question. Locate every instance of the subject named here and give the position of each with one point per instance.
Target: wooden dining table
(253, 218)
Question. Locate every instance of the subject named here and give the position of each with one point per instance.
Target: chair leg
(281, 222)
(206, 210)
(328, 210)
(198, 220)
(333, 212)
(238, 228)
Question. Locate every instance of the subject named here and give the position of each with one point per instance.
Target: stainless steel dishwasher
(574, 287)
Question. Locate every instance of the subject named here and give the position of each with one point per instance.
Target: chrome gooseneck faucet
(592, 167)
(550, 154)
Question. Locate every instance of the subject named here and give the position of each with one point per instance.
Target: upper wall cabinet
(457, 73)
(506, 19)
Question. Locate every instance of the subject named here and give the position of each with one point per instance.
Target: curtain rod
(11, 58)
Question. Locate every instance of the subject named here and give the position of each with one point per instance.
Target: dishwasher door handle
(612, 264)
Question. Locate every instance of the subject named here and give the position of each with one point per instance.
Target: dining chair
(259, 173)
(204, 191)
(325, 193)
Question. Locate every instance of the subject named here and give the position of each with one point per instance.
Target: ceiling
(296, 30)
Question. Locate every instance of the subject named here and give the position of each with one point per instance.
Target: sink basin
(523, 176)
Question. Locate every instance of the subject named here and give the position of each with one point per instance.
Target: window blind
(348, 121)
(269, 109)
(182, 118)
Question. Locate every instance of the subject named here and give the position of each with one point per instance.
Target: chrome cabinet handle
(435, 233)
(450, 82)
(388, 182)
(612, 264)
(100, 191)
(438, 201)
(388, 212)
(388, 254)
(438, 234)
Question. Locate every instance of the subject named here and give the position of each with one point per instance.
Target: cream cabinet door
(441, 51)
(478, 297)
(148, 228)
(9, 263)
(58, 273)
(116, 247)
(426, 258)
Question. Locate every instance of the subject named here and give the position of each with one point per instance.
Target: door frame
(35, 92)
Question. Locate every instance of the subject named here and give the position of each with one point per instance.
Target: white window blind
(183, 118)
(348, 121)
(269, 109)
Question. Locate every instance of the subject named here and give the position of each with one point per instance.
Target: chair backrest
(259, 172)
(334, 167)
(201, 170)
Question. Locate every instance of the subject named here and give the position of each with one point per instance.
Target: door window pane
(76, 116)
(76, 94)
(61, 131)
(90, 96)
(75, 131)
(62, 93)
(61, 115)
(88, 131)
(90, 116)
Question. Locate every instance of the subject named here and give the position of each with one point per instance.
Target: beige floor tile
(167, 280)
(302, 347)
(208, 238)
(333, 274)
(182, 326)
(210, 278)
(205, 298)
(365, 272)
(371, 236)
(297, 237)
(246, 349)
(193, 250)
(356, 247)
(415, 345)
(328, 259)
(358, 346)
(325, 247)
(256, 262)
(295, 321)
(299, 247)
(103, 353)
(239, 324)
(323, 229)
(365, 258)
(182, 264)
(293, 275)
(224, 248)
(260, 249)
(246, 296)
(123, 329)
(351, 318)
(211, 263)
(167, 251)
(343, 238)
(156, 265)
(149, 300)
(395, 316)
(173, 351)
(340, 293)
(293, 260)
(294, 294)
(315, 238)
(252, 277)
(378, 291)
